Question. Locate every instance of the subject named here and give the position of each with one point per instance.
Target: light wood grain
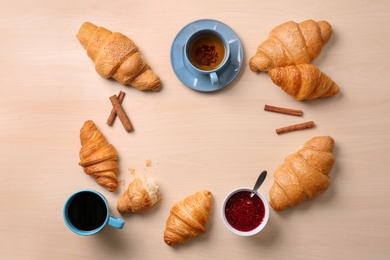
(217, 141)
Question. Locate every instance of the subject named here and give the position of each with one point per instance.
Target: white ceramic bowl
(253, 231)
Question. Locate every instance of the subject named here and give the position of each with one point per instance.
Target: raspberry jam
(243, 212)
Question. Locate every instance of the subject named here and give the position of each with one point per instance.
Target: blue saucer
(198, 81)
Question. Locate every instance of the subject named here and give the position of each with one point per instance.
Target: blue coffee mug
(86, 212)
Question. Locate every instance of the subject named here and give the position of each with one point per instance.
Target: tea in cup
(207, 52)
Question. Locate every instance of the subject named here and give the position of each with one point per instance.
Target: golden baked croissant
(141, 194)
(304, 174)
(303, 81)
(291, 43)
(188, 218)
(98, 158)
(116, 56)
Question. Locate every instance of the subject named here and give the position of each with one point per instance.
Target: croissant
(291, 43)
(304, 174)
(98, 158)
(188, 218)
(303, 81)
(116, 56)
(141, 194)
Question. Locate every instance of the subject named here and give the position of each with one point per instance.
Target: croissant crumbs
(148, 163)
(132, 171)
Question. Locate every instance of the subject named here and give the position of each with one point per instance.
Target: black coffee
(87, 211)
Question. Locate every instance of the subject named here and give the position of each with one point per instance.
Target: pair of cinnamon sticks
(288, 111)
(117, 109)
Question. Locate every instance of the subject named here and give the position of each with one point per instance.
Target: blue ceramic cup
(207, 52)
(86, 212)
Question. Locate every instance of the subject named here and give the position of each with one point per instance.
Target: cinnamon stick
(291, 128)
(282, 110)
(111, 118)
(121, 113)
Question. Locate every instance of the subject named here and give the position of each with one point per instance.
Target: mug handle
(116, 222)
(214, 78)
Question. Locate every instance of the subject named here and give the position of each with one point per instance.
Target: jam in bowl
(245, 215)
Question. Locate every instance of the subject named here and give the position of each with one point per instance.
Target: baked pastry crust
(117, 56)
(304, 175)
(141, 194)
(188, 218)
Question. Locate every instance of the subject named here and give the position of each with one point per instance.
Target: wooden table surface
(217, 141)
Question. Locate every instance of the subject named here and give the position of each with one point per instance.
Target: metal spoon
(259, 181)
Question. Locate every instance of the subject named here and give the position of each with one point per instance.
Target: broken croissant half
(141, 195)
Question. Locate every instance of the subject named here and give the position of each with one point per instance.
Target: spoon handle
(259, 181)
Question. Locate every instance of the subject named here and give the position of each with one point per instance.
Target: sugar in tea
(206, 51)
(87, 211)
